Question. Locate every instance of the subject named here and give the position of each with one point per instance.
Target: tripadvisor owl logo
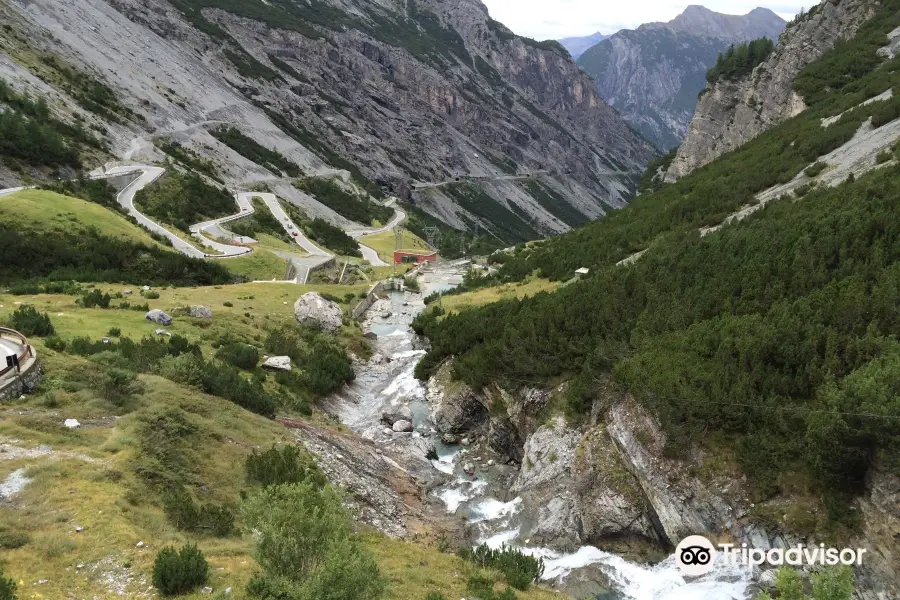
(695, 555)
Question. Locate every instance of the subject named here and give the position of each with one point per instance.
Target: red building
(413, 256)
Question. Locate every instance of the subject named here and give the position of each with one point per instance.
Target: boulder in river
(159, 317)
(402, 426)
(396, 413)
(313, 309)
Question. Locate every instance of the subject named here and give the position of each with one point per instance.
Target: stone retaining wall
(25, 382)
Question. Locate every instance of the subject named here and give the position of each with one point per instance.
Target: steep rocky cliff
(418, 91)
(732, 112)
(609, 482)
(652, 75)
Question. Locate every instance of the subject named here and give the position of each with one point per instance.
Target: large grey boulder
(200, 312)
(313, 309)
(158, 317)
(278, 363)
(402, 426)
(455, 407)
(396, 413)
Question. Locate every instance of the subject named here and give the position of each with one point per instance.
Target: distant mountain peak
(699, 20)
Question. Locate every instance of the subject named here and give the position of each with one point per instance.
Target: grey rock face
(313, 309)
(503, 439)
(158, 317)
(456, 408)
(575, 489)
(278, 363)
(409, 96)
(731, 113)
(200, 312)
(652, 75)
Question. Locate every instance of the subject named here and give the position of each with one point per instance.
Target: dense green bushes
(182, 361)
(763, 331)
(262, 221)
(95, 299)
(348, 205)
(184, 199)
(29, 133)
(190, 159)
(118, 385)
(306, 546)
(254, 151)
(333, 238)
(28, 321)
(849, 61)
(179, 571)
(827, 584)
(323, 366)
(91, 256)
(207, 519)
(281, 465)
(520, 570)
(240, 355)
(741, 59)
(483, 589)
(7, 587)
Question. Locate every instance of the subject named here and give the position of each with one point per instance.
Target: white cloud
(553, 19)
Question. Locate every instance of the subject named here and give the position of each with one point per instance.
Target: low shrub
(519, 569)
(179, 571)
(28, 321)
(815, 169)
(95, 299)
(278, 465)
(55, 343)
(185, 515)
(239, 355)
(118, 385)
(7, 587)
(114, 332)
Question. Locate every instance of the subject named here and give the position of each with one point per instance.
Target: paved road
(477, 178)
(399, 217)
(147, 174)
(289, 226)
(372, 257)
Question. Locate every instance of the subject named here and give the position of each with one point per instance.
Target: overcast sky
(554, 19)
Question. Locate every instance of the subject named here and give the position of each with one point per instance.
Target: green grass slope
(45, 211)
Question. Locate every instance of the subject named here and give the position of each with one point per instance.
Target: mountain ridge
(653, 74)
(382, 91)
(577, 45)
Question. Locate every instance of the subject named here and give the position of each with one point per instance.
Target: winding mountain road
(147, 174)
